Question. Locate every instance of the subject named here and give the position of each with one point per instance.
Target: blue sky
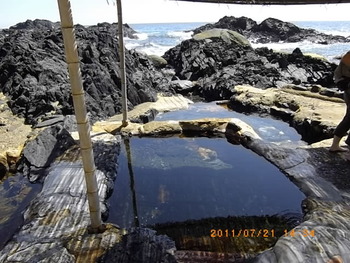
(89, 12)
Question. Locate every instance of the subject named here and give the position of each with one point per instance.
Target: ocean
(158, 38)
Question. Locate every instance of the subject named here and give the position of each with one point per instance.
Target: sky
(91, 12)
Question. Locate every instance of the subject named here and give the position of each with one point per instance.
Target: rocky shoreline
(272, 30)
(218, 64)
(34, 73)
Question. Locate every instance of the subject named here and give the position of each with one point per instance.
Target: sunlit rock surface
(14, 134)
(311, 111)
(324, 235)
(271, 30)
(147, 112)
(218, 60)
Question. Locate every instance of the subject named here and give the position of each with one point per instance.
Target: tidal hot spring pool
(202, 192)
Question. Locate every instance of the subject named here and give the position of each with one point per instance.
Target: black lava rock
(33, 71)
(217, 66)
(39, 153)
(272, 30)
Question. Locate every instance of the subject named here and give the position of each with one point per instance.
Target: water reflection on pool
(188, 187)
(15, 195)
(177, 179)
(269, 129)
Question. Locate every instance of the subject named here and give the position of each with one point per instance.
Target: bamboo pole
(72, 59)
(122, 63)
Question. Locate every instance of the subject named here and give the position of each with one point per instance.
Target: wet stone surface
(15, 195)
(331, 166)
(56, 221)
(323, 233)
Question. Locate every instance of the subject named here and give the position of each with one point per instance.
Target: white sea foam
(341, 32)
(157, 42)
(306, 45)
(131, 45)
(142, 36)
(149, 48)
(330, 51)
(182, 35)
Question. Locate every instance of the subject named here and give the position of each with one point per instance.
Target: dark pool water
(16, 192)
(171, 180)
(202, 191)
(269, 129)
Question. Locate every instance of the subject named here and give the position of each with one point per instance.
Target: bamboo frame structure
(270, 2)
(72, 60)
(122, 63)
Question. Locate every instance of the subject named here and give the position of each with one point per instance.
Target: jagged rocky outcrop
(219, 62)
(272, 30)
(43, 24)
(33, 71)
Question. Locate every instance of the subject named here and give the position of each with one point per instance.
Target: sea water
(158, 38)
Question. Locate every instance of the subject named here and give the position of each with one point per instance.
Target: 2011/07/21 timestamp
(260, 233)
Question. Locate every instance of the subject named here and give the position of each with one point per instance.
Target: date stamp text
(264, 233)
